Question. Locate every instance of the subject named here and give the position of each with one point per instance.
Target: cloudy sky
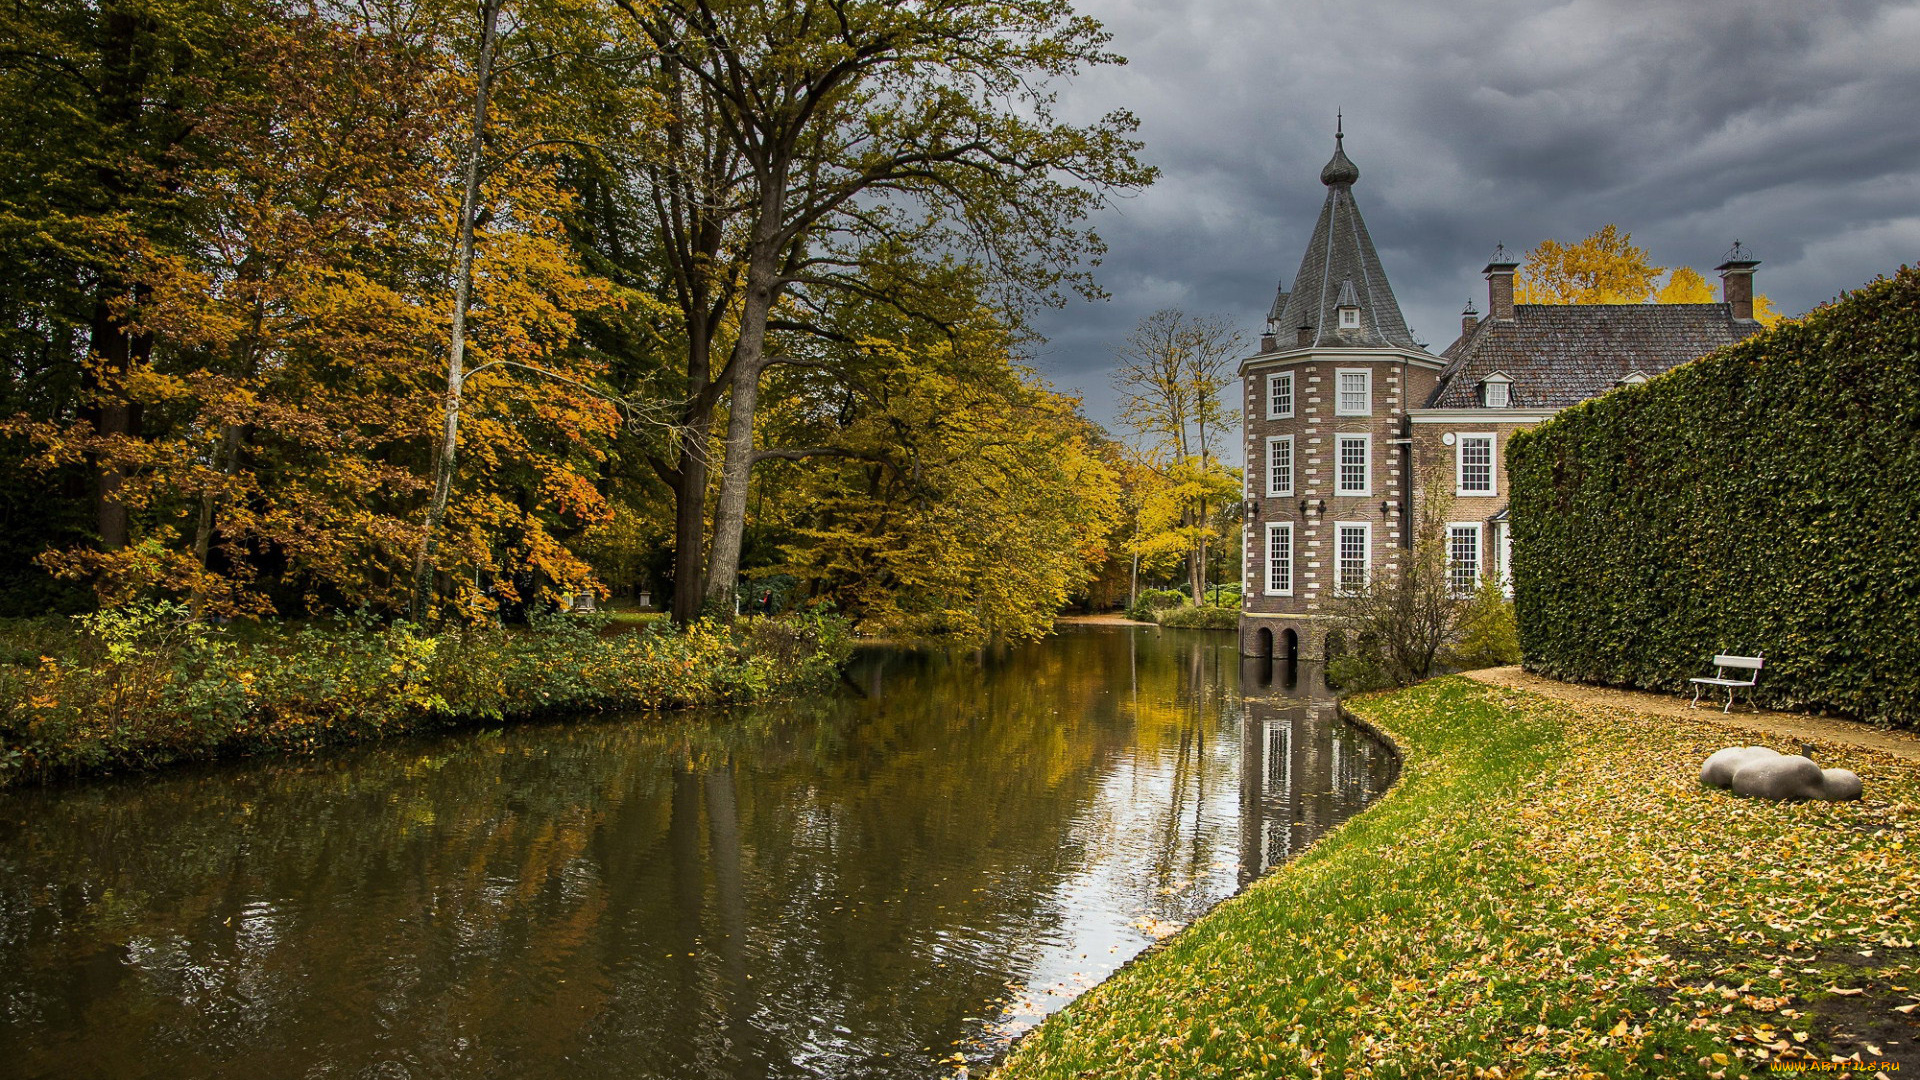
(1792, 126)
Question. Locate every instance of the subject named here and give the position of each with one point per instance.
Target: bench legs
(1695, 703)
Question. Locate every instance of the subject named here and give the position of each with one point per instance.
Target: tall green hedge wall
(1763, 499)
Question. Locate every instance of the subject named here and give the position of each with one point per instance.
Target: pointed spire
(1341, 269)
(1340, 170)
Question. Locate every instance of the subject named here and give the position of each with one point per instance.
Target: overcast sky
(1792, 126)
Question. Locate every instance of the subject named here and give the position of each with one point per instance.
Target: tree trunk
(114, 415)
(690, 526)
(122, 94)
(462, 297)
(226, 461)
(730, 514)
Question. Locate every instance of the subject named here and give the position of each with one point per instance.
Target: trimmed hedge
(1762, 499)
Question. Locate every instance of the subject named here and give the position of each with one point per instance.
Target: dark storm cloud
(1790, 126)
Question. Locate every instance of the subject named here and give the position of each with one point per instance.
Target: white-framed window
(1353, 556)
(1349, 318)
(1496, 394)
(1279, 465)
(1353, 394)
(1279, 558)
(1280, 395)
(1463, 557)
(1474, 464)
(1353, 465)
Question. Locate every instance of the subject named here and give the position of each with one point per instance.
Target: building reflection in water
(1303, 770)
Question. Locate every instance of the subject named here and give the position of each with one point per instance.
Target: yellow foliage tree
(1684, 286)
(1606, 268)
(951, 493)
(298, 329)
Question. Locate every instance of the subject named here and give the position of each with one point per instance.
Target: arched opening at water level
(1290, 646)
(1263, 642)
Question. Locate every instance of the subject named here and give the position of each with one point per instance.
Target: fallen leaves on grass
(1549, 893)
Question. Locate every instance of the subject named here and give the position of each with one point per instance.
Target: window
(1349, 318)
(1279, 558)
(1496, 394)
(1353, 550)
(1280, 465)
(1355, 396)
(1354, 465)
(1280, 396)
(1474, 465)
(1463, 557)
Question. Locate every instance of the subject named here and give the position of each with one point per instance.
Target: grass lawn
(1547, 892)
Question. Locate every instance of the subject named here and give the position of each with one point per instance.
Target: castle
(1344, 410)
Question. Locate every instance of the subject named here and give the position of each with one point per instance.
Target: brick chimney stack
(1499, 271)
(1469, 319)
(1302, 336)
(1736, 281)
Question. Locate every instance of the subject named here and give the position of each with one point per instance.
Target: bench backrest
(1751, 663)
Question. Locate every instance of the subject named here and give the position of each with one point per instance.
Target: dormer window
(1348, 305)
(1631, 378)
(1496, 391)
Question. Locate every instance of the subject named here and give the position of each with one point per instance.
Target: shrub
(1488, 634)
(145, 685)
(1200, 618)
(1758, 500)
(1403, 621)
(1225, 596)
(1152, 600)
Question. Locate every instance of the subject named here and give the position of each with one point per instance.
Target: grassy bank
(143, 687)
(1548, 892)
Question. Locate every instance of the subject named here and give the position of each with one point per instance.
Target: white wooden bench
(1750, 664)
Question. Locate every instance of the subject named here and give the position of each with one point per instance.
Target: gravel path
(1793, 727)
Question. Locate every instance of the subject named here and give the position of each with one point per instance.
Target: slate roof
(1340, 251)
(1562, 354)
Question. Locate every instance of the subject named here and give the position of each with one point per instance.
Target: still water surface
(886, 882)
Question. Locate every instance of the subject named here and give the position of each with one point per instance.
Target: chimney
(1469, 319)
(1302, 336)
(1736, 281)
(1499, 273)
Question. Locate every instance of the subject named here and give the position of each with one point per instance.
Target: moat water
(890, 881)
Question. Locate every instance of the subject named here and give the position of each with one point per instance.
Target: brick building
(1345, 409)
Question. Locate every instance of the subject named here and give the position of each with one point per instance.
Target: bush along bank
(145, 686)
(1758, 500)
(1171, 607)
(1547, 892)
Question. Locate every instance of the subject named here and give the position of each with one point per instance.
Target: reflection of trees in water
(591, 897)
(807, 886)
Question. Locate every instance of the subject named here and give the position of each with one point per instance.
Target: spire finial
(1340, 170)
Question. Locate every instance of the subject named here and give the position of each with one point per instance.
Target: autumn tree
(297, 324)
(1604, 268)
(1171, 372)
(941, 489)
(1607, 268)
(803, 138)
(100, 101)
